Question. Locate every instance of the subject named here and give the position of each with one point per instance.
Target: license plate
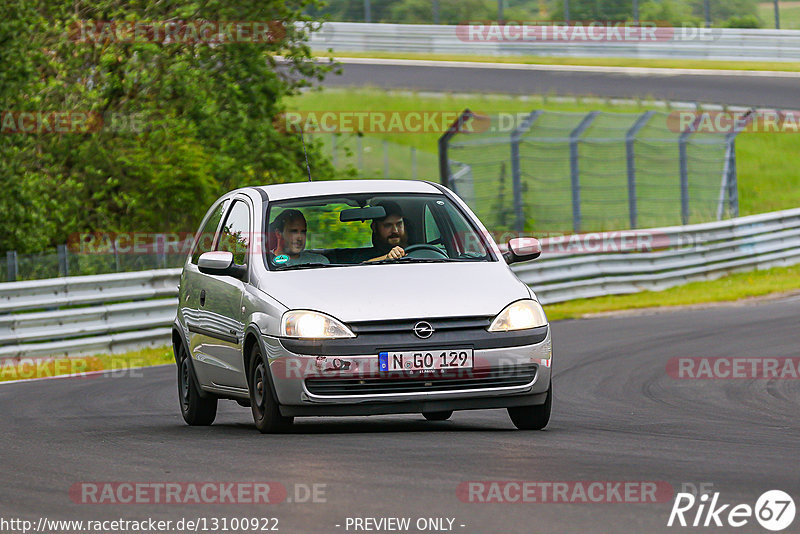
(424, 360)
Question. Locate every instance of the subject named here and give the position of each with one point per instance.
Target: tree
(675, 12)
(174, 124)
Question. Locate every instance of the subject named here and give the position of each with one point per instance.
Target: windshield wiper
(309, 266)
(406, 259)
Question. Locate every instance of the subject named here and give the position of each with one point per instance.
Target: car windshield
(369, 229)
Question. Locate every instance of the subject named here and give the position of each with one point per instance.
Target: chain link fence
(369, 156)
(65, 261)
(546, 172)
(575, 172)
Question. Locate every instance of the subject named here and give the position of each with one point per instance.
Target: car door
(218, 336)
(191, 279)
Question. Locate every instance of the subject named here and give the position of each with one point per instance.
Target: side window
(432, 232)
(235, 234)
(467, 240)
(205, 240)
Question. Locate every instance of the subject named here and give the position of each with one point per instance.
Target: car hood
(399, 291)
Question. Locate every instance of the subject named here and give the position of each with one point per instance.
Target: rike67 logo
(774, 510)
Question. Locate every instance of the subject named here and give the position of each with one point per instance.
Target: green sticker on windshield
(283, 258)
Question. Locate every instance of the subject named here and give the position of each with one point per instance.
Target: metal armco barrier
(87, 314)
(110, 313)
(593, 265)
(671, 43)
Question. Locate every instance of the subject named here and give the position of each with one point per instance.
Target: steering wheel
(425, 251)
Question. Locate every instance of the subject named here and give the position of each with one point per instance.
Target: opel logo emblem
(423, 330)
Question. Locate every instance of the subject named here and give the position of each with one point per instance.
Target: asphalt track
(618, 416)
(781, 92)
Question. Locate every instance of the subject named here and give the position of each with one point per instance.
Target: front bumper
(352, 385)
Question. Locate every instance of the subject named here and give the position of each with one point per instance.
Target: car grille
(405, 326)
(426, 383)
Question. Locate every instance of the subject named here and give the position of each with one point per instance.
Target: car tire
(196, 410)
(438, 416)
(532, 417)
(266, 412)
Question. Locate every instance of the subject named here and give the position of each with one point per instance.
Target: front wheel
(266, 413)
(196, 410)
(532, 417)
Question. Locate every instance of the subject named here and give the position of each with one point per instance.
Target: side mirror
(220, 263)
(522, 249)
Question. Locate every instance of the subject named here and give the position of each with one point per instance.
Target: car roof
(335, 187)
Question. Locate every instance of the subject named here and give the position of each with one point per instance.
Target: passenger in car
(289, 230)
(388, 234)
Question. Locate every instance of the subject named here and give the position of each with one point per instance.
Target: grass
(789, 13)
(730, 288)
(117, 363)
(374, 99)
(590, 61)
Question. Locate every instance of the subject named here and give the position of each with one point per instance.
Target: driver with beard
(388, 234)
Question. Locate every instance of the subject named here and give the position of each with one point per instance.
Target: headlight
(312, 325)
(519, 315)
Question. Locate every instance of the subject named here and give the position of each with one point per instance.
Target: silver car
(357, 297)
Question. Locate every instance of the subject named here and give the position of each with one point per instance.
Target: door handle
(202, 297)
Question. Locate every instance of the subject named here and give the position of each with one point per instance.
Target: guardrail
(87, 314)
(682, 254)
(670, 43)
(111, 313)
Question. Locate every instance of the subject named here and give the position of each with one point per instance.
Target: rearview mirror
(220, 263)
(362, 214)
(522, 249)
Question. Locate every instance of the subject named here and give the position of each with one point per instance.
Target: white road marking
(82, 375)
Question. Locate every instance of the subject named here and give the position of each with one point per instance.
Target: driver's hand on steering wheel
(395, 254)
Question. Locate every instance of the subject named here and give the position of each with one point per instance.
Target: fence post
(516, 169)
(360, 149)
(334, 155)
(733, 185)
(385, 158)
(367, 12)
(63, 261)
(161, 251)
(574, 168)
(729, 190)
(630, 140)
(13, 267)
(684, 167)
(444, 144)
